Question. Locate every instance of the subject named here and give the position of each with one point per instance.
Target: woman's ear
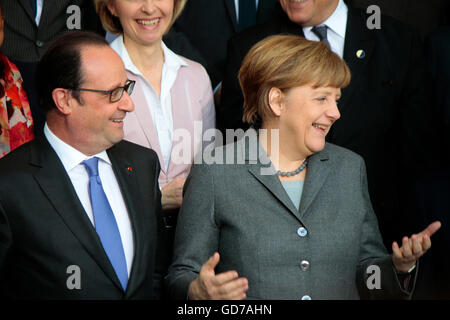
(62, 99)
(276, 100)
(111, 7)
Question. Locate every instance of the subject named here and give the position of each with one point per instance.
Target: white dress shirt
(160, 108)
(337, 26)
(71, 160)
(39, 5)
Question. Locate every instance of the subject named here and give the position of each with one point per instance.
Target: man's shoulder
(130, 150)
(18, 157)
(128, 146)
(341, 155)
(389, 27)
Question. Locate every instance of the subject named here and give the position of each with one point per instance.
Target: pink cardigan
(192, 100)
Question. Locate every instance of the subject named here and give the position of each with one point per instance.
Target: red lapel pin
(130, 169)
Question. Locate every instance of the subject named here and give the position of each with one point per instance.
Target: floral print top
(16, 122)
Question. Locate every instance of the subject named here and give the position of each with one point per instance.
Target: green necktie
(34, 7)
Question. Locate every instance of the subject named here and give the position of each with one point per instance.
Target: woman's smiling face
(143, 21)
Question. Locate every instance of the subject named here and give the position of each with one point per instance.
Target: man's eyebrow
(115, 86)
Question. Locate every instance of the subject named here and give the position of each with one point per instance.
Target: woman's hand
(223, 286)
(172, 194)
(413, 248)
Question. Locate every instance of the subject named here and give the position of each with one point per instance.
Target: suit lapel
(357, 38)
(27, 7)
(182, 114)
(265, 10)
(56, 185)
(126, 177)
(145, 119)
(286, 26)
(259, 169)
(318, 171)
(273, 184)
(229, 4)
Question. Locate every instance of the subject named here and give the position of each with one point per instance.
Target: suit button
(306, 297)
(302, 232)
(39, 43)
(304, 265)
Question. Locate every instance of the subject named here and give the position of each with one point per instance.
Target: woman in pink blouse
(16, 123)
(172, 94)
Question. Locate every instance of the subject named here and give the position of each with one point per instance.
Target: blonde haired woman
(306, 231)
(171, 94)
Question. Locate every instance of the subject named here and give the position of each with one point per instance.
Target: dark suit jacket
(438, 53)
(44, 228)
(27, 42)
(203, 29)
(430, 202)
(424, 16)
(383, 110)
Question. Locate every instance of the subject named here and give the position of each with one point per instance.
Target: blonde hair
(112, 23)
(285, 62)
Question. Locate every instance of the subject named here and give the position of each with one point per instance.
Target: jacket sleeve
(197, 235)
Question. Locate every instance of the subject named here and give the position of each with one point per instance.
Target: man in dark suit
(425, 16)
(384, 109)
(31, 26)
(80, 209)
(204, 27)
(429, 202)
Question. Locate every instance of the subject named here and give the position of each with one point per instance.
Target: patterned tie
(247, 13)
(105, 223)
(321, 32)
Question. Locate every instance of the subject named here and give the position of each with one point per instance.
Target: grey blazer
(246, 215)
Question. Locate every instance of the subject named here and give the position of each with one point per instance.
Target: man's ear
(63, 100)
(276, 100)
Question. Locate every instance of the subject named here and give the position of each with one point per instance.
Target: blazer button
(304, 265)
(302, 232)
(39, 43)
(306, 297)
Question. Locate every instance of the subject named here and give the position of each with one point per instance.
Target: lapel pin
(360, 54)
(130, 169)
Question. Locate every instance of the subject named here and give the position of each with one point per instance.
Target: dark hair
(60, 66)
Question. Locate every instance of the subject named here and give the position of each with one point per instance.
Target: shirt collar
(171, 59)
(69, 156)
(337, 22)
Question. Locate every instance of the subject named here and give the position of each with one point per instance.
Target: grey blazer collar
(260, 166)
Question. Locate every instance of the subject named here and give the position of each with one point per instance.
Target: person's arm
(172, 194)
(208, 107)
(191, 275)
(163, 251)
